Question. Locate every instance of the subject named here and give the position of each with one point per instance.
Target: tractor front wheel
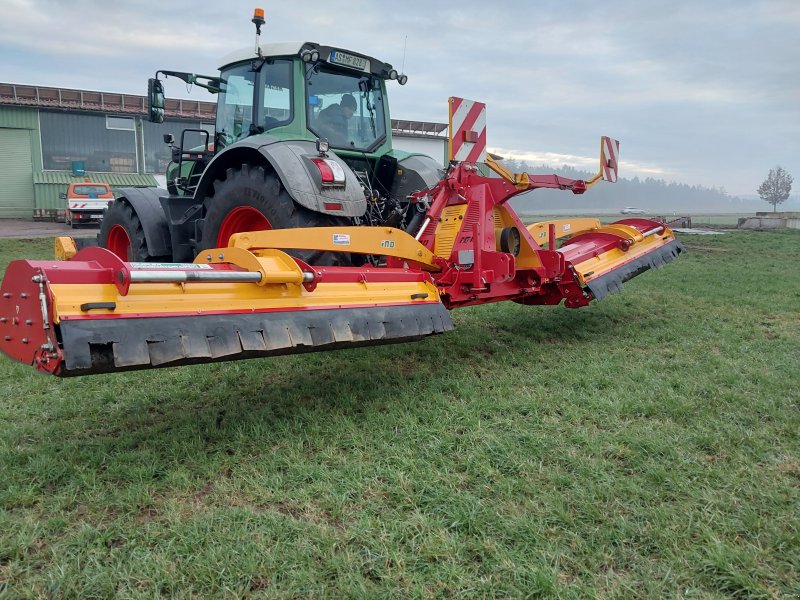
(251, 199)
(121, 232)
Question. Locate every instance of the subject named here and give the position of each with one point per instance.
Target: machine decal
(341, 239)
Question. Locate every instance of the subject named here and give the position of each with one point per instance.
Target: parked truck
(86, 202)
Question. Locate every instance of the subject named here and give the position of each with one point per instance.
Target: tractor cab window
(254, 97)
(276, 100)
(235, 104)
(347, 108)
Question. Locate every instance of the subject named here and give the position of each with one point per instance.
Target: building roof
(108, 102)
(34, 96)
(113, 179)
(419, 128)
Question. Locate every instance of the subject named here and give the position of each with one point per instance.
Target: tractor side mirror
(169, 139)
(155, 100)
(62, 196)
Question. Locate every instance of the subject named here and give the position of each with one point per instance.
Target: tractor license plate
(348, 60)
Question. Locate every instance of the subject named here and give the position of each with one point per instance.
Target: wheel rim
(241, 218)
(119, 242)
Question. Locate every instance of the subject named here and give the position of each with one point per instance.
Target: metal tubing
(423, 228)
(658, 229)
(185, 276)
(203, 276)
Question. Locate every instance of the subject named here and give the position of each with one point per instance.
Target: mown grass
(646, 446)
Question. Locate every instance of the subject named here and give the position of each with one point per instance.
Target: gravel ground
(23, 229)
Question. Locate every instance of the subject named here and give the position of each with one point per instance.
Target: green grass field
(644, 447)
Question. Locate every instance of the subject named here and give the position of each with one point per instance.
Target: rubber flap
(121, 344)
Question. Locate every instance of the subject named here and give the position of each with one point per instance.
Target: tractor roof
(295, 49)
(274, 49)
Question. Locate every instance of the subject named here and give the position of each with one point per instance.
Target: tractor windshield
(346, 108)
(254, 97)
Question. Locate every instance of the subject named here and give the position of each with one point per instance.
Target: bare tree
(776, 187)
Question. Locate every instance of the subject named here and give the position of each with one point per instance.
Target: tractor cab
(288, 91)
(304, 127)
(305, 91)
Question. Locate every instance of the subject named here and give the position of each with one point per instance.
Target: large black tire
(121, 232)
(249, 194)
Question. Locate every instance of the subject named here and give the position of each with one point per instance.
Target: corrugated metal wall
(19, 157)
(46, 198)
(24, 118)
(18, 118)
(68, 137)
(16, 174)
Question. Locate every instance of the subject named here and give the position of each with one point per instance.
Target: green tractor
(302, 139)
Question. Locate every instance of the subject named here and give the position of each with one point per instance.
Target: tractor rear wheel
(121, 232)
(252, 199)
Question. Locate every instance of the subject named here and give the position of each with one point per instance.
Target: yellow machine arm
(609, 152)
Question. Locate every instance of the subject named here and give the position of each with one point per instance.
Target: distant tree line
(656, 196)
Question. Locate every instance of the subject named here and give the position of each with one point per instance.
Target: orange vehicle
(86, 202)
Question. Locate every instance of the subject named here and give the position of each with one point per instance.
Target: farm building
(51, 136)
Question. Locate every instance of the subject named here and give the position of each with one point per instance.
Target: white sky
(698, 91)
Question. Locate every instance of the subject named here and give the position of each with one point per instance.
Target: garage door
(16, 174)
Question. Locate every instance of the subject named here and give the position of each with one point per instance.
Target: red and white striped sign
(609, 153)
(467, 130)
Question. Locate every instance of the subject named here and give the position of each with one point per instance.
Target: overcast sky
(702, 92)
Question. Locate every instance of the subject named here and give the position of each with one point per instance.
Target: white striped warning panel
(467, 130)
(609, 153)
